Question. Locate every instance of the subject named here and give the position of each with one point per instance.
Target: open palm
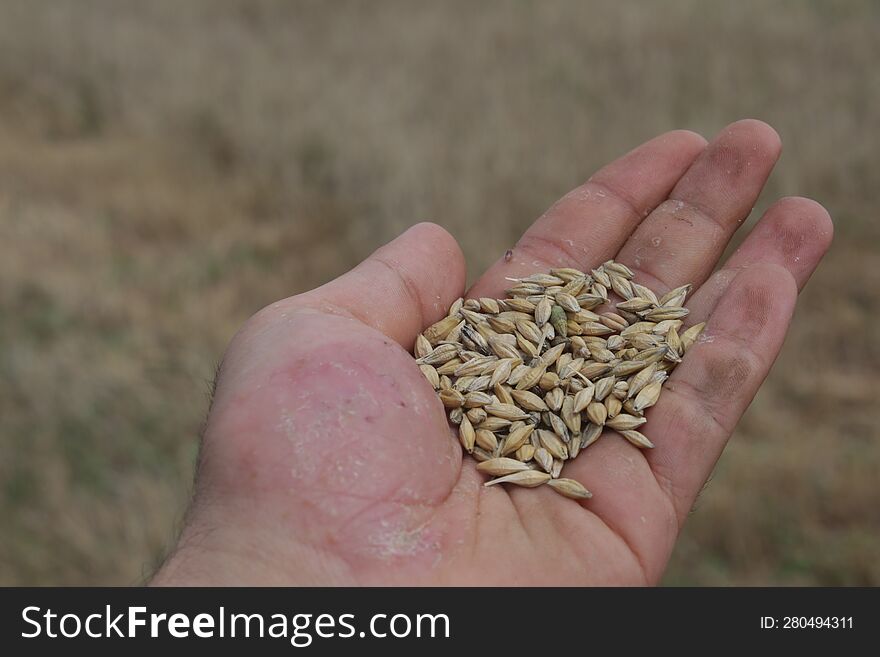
(328, 459)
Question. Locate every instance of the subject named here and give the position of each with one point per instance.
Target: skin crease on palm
(327, 458)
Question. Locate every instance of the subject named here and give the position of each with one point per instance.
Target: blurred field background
(167, 168)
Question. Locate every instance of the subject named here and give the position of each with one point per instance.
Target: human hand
(327, 458)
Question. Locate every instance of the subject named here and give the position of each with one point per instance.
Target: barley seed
(533, 379)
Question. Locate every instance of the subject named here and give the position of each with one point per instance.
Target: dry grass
(163, 167)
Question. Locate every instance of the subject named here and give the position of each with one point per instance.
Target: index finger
(589, 224)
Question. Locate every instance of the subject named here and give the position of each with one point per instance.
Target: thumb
(401, 288)
(324, 437)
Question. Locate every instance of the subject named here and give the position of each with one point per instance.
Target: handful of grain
(532, 380)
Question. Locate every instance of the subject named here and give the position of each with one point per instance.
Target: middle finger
(682, 240)
(588, 225)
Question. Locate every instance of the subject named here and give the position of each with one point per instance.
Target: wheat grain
(597, 413)
(502, 466)
(466, 434)
(476, 415)
(526, 453)
(533, 379)
(527, 478)
(570, 488)
(613, 406)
